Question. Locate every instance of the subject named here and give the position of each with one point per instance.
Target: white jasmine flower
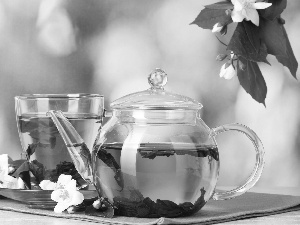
(217, 28)
(227, 71)
(3, 166)
(247, 9)
(65, 192)
(7, 181)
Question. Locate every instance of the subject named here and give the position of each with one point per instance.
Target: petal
(252, 15)
(47, 185)
(217, 28)
(77, 198)
(230, 73)
(55, 195)
(71, 186)
(238, 6)
(21, 184)
(60, 207)
(10, 182)
(64, 179)
(97, 204)
(237, 16)
(223, 70)
(4, 164)
(261, 5)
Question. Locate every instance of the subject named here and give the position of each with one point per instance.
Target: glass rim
(59, 96)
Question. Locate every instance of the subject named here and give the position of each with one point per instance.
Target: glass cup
(41, 142)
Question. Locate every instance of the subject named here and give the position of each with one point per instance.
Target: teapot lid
(156, 98)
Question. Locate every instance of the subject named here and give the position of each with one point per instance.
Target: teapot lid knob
(157, 79)
(156, 98)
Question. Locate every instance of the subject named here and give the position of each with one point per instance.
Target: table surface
(15, 218)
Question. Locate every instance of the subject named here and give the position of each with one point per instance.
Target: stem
(221, 41)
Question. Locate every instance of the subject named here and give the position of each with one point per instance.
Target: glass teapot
(155, 157)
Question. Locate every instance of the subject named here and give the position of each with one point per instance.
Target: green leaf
(38, 170)
(271, 33)
(220, 5)
(274, 11)
(31, 149)
(251, 79)
(23, 173)
(246, 43)
(209, 17)
(277, 42)
(252, 31)
(289, 60)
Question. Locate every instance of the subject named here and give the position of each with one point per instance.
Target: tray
(40, 198)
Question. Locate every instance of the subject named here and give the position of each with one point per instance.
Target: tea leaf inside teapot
(145, 207)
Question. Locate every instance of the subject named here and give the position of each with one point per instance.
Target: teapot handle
(256, 173)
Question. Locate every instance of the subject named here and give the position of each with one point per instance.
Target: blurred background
(109, 47)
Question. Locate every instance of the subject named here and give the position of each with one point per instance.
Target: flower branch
(260, 31)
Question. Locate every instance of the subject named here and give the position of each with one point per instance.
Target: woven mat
(246, 206)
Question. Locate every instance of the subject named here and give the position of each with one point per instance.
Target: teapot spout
(79, 152)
